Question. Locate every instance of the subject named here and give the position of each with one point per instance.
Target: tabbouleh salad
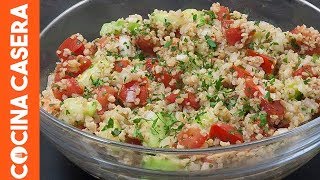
(187, 79)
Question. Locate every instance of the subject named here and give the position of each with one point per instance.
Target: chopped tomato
(233, 35)
(132, 140)
(225, 24)
(133, 90)
(313, 51)
(102, 42)
(150, 63)
(104, 94)
(225, 133)
(166, 79)
(242, 73)
(74, 69)
(91, 49)
(177, 33)
(251, 89)
(307, 33)
(268, 61)
(223, 13)
(85, 63)
(305, 72)
(74, 44)
(119, 65)
(191, 101)
(58, 74)
(66, 87)
(191, 138)
(171, 98)
(273, 108)
(145, 45)
(164, 76)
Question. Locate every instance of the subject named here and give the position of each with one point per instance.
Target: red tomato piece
(191, 138)
(225, 132)
(103, 96)
(119, 65)
(58, 74)
(191, 101)
(102, 42)
(273, 108)
(305, 72)
(223, 13)
(313, 51)
(132, 140)
(225, 24)
(66, 87)
(166, 79)
(74, 69)
(74, 44)
(129, 92)
(251, 88)
(146, 46)
(268, 61)
(242, 73)
(233, 35)
(150, 63)
(171, 98)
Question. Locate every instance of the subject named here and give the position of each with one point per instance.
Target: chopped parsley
(245, 109)
(212, 45)
(218, 83)
(267, 96)
(109, 125)
(251, 45)
(294, 44)
(116, 132)
(96, 82)
(263, 119)
(167, 44)
(306, 81)
(166, 23)
(267, 35)
(194, 17)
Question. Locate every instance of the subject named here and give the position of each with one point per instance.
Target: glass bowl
(274, 157)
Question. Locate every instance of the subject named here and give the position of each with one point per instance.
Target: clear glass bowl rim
(309, 125)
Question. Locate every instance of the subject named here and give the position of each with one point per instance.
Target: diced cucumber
(159, 163)
(91, 108)
(133, 27)
(114, 27)
(74, 110)
(295, 94)
(168, 19)
(193, 15)
(206, 118)
(93, 73)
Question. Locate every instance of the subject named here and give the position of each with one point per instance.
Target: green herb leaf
(251, 45)
(263, 119)
(96, 82)
(167, 44)
(267, 35)
(194, 17)
(211, 44)
(116, 132)
(267, 96)
(218, 83)
(294, 44)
